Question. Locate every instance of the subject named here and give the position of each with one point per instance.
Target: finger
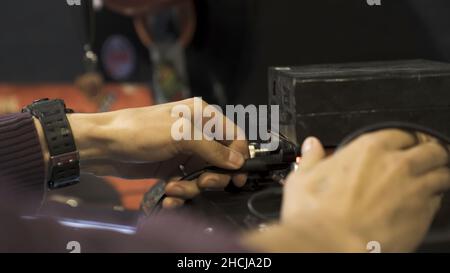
(392, 139)
(425, 157)
(216, 128)
(312, 153)
(213, 181)
(214, 152)
(435, 204)
(172, 203)
(435, 182)
(182, 189)
(220, 181)
(223, 128)
(240, 146)
(239, 180)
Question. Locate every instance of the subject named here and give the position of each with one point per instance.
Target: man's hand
(137, 143)
(383, 187)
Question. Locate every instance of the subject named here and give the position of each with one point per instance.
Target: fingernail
(236, 159)
(210, 183)
(173, 204)
(176, 190)
(240, 180)
(177, 204)
(307, 145)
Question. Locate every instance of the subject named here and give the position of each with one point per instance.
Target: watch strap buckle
(65, 159)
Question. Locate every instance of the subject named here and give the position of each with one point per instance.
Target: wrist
(92, 135)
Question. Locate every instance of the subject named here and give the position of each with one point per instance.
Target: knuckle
(368, 138)
(196, 100)
(369, 143)
(241, 146)
(404, 165)
(445, 174)
(191, 191)
(397, 132)
(182, 146)
(434, 149)
(392, 161)
(203, 102)
(190, 101)
(221, 153)
(441, 152)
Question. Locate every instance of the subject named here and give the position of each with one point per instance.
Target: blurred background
(225, 58)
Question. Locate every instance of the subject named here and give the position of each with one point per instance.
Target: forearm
(94, 135)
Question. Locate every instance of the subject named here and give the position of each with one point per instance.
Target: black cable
(405, 126)
(259, 164)
(408, 127)
(259, 195)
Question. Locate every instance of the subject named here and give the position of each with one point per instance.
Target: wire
(253, 165)
(408, 127)
(405, 126)
(261, 195)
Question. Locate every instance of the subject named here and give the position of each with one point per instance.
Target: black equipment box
(332, 101)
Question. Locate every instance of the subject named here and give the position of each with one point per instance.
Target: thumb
(215, 153)
(312, 153)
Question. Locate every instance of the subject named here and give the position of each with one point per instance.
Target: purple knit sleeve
(21, 160)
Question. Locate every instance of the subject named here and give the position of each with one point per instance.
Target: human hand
(138, 143)
(383, 187)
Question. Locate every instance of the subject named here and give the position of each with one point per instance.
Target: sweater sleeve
(21, 160)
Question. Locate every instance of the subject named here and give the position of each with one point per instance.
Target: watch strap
(64, 167)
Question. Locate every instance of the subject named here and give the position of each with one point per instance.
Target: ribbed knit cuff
(22, 169)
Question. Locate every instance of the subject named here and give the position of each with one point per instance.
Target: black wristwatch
(64, 164)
